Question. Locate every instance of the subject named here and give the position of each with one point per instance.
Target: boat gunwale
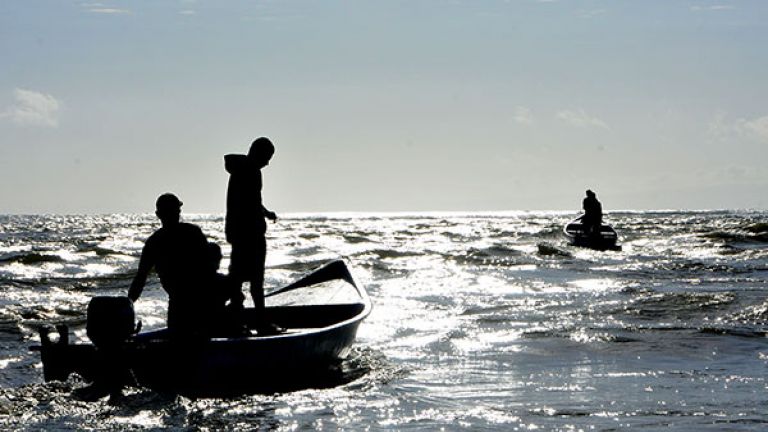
(358, 317)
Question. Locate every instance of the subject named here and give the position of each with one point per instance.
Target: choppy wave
(548, 249)
(753, 315)
(99, 250)
(758, 227)
(737, 237)
(677, 305)
(494, 255)
(388, 253)
(31, 258)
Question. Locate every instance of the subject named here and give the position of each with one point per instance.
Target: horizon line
(400, 213)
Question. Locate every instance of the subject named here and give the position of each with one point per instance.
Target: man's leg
(258, 262)
(265, 326)
(238, 265)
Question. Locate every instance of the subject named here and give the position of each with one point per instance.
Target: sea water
(482, 321)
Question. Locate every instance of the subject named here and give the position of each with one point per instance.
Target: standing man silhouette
(245, 225)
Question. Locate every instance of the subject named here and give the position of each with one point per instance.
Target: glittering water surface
(480, 322)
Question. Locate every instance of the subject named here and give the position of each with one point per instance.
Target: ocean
(481, 321)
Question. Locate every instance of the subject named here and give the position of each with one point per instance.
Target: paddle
(333, 270)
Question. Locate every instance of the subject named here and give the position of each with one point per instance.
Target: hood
(236, 163)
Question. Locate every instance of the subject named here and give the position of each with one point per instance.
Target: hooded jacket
(593, 210)
(245, 212)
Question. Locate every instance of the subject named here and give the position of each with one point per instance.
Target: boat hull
(606, 239)
(247, 364)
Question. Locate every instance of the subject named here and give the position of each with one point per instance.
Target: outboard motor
(111, 321)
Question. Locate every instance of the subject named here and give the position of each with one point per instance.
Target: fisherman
(593, 214)
(245, 225)
(177, 251)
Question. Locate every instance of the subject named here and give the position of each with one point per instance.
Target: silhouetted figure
(177, 251)
(226, 296)
(593, 214)
(245, 226)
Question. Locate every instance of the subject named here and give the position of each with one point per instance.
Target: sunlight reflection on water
(483, 322)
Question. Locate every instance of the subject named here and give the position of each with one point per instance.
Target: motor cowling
(111, 320)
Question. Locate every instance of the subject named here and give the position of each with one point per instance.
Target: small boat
(576, 235)
(318, 312)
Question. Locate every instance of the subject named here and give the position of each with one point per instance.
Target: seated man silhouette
(177, 251)
(593, 214)
(226, 296)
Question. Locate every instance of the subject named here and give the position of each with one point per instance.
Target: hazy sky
(385, 105)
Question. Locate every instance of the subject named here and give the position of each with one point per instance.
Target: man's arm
(145, 265)
(269, 214)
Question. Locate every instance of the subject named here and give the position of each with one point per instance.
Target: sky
(387, 105)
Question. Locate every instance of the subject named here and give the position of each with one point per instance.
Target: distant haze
(385, 105)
